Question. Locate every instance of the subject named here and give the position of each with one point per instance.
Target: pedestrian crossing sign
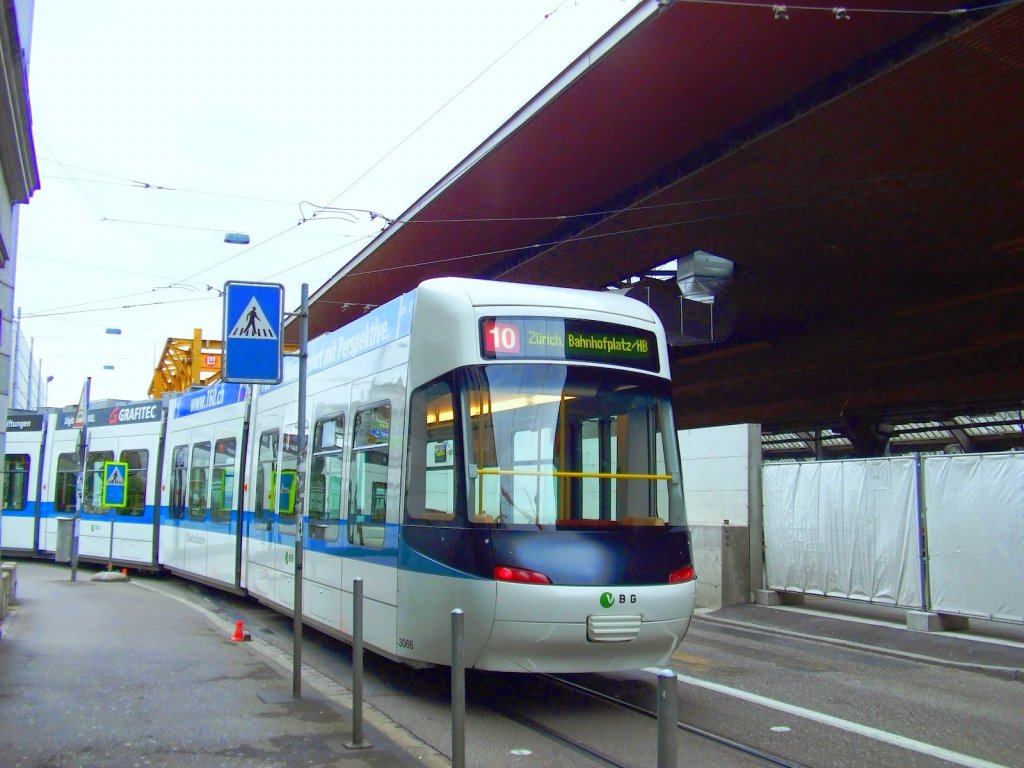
(253, 321)
(115, 484)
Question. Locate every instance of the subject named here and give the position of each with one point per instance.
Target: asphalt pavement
(986, 647)
(128, 673)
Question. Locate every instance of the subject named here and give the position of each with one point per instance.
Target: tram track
(512, 708)
(525, 721)
(703, 733)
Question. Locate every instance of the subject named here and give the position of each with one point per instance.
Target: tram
(23, 462)
(131, 433)
(200, 520)
(503, 449)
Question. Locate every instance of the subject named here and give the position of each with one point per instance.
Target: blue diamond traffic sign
(253, 322)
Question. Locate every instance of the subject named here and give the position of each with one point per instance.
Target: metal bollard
(668, 718)
(458, 691)
(357, 742)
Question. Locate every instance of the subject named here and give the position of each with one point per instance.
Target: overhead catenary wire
(65, 169)
(445, 105)
(45, 314)
(541, 246)
(149, 186)
(886, 181)
(770, 6)
(556, 217)
(384, 157)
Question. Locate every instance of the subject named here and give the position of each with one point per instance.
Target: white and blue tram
(504, 449)
(22, 481)
(131, 433)
(200, 519)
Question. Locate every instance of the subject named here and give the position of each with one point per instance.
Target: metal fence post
(458, 691)
(922, 533)
(668, 718)
(357, 742)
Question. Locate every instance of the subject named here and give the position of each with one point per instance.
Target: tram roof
(864, 175)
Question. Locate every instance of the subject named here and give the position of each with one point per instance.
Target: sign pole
(115, 497)
(300, 502)
(83, 408)
(253, 354)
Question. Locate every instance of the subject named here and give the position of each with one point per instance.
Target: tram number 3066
(405, 642)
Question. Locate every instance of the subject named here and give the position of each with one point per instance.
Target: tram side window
(515, 432)
(222, 500)
(68, 467)
(619, 445)
(371, 437)
(135, 489)
(286, 482)
(640, 450)
(94, 482)
(178, 492)
(325, 478)
(553, 445)
(198, 481)
(265, 472)
(16, 481)
(432, 491)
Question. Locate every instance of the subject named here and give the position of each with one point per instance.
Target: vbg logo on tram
(608, 599)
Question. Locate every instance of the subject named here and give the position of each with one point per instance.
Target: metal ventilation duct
(702, 276)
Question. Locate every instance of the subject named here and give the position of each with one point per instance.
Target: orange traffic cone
(240, 633)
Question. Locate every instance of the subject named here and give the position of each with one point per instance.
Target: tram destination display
(550, 338)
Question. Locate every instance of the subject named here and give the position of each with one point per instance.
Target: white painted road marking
(846, 725)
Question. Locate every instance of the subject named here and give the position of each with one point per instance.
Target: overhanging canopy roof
(866, 177)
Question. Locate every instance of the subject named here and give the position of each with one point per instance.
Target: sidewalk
(991, 648)
(100, 674)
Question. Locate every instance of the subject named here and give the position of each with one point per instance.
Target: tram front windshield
(564, 446)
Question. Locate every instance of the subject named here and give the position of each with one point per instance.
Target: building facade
(19, 176)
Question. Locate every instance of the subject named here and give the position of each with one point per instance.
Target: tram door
(111, 532)
(284, 487)
(262, 530)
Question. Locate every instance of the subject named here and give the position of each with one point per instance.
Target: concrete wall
(722, 488)
(721, 555)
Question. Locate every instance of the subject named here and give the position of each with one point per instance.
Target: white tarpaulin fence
(975, 525)
(854, 529)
